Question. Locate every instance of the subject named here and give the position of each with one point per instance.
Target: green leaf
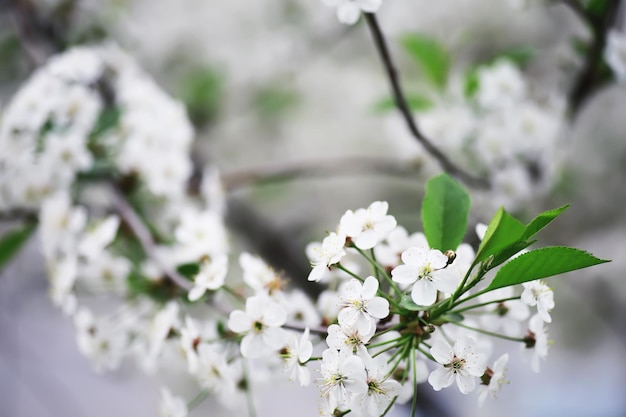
(472, 83)
(503, 231)
(520, 55)
(416, 103)
(542, 263)
(444, 212)
(189, 270)
(202, 91)
(432, 58)
(12, 241)
(541, 221)
(108, 119)
(597, 8)
(508, 252)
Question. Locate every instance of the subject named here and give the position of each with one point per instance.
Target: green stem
(414, 368)
(428, 355)
(502, 300)
(386, 342)
(197, 400)
(380, 269)
(347, 271)
(501, 336)
(234, 293)
(376, 271)
(314, 358)
(249, 399)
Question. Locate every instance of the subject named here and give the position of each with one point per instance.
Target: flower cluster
(104, 158)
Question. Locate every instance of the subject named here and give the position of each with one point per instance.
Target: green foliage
(541, 221)
(160, 291)
(107, 120)
(416, 103)
(275, 100)
(189, 270)
(542, 263)
(597, 8)
(12, 241)
(201, 90)
(432, 59)
(503, 231)
(445, 211)
(406, 302)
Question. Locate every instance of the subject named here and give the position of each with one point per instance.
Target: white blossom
(348, 11)
(367, 227)
(497, 378)
(210, 277)
(361, 306)
(343, 376)
(615, 54)
(261, 324)
(426, 271)
(171, 405)
(538, 348)
(295, 355)
(348, 339)
(380, 389)
(537, 293)
(326, 254)
(459, 362)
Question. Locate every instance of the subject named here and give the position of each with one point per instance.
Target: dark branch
(589, 79)
(320, 168)
(143, 235)
(403, 106)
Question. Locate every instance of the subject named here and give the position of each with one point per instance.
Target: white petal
(440, 378)
(239, 322)
(378, 307)
(196, 293)
(348, 13)
(405, 274)
(442, 352)
(466, 383)
(367, 240)
(369, 6)
(370, 286)
(424, 293)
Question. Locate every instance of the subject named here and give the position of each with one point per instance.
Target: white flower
(615, 54)
(201, 234)
(189, 341)
(259, 275)
(361, 306)
(537, 340)
(426, 270)
(163, 323)
(323, 256)
(347, 339)
(171, 405)
(106, 272)
(210, 277)
(297, 352)
(261, 325)
(98, 237)
(397, 242)
(460, 363)
(367, 227)
(213, 371)
(539, 294)
(380, 389)
(348, 11)
(496, 377)
(501, 85)
(506, 316)
(343, 375)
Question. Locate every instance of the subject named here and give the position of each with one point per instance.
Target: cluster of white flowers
(367, 366)
(504, 130)
(374, 332)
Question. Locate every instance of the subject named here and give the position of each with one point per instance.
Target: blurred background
(282, 87)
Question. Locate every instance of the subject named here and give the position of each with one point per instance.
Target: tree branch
(143, 235)
(403, 106)
(320, 168)
(589, 79)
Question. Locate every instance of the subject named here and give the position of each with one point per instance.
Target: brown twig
(589, 78)
(143, 235)
(403, 107)
(320, 168)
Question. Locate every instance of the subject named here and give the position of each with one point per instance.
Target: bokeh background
(282, 84)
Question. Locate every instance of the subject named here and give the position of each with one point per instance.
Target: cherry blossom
(459, 362)
(360, 305)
